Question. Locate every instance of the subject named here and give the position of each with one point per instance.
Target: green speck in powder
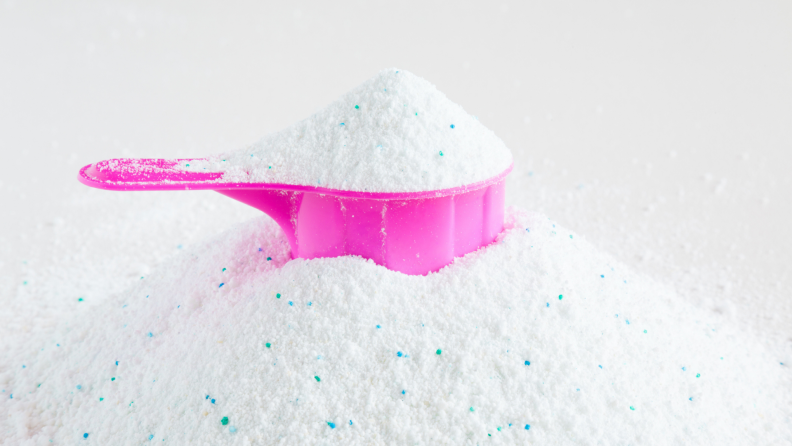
(101, 399)
(80, 299)
(560, 296)
(439, 351)
(278, 295)
(188, 165)
(471, 409)
(224, 421)
(644, 331)
(698, 375)
(441, 153)
(268, 345)
(317, 378)
(357, 107)
(224, 269)
(632, 408)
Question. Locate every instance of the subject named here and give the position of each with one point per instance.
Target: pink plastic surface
(410, 232)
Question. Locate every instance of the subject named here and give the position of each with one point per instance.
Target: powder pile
(536, 339)
(394, 133)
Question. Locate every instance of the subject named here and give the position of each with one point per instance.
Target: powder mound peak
(396, 132)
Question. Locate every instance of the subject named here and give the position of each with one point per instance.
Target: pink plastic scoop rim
(151, 174)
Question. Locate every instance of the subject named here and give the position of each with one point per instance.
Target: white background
(661, 132)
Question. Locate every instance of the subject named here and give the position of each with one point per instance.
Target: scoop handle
(130, 174)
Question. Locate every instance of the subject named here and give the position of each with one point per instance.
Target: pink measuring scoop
(410, 232)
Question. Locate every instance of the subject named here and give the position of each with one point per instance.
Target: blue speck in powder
(527, 362)
(150, 334)
(85, 435)
(309, 304)
(691, 398)
(331, 424)
(378, 326)
(260, 249)
(342, 124)
(452, 125)
(221, 285)
(291, 304)
(600, 366)
(683, 369)
(213, 400)
(232, 429)
(151, 436)
(116, 362)
(628, 321)
(207, 397)
(548, 305)
(402, 392)
(79, 387)
(399, 354)
(23, 366)
(527, 426)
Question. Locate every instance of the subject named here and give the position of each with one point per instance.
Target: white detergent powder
(535, 339)
(394, 133)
